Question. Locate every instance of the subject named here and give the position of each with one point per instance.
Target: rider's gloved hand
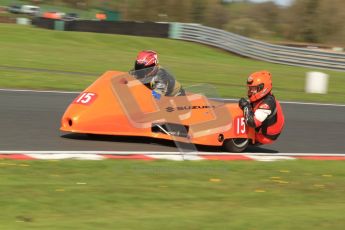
(243, 103)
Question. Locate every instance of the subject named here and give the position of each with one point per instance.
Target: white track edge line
(297, 103)
(39, 91)
(226, 99)
(11, 152)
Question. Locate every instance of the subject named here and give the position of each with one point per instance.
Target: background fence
(256, 49)
(150, 29)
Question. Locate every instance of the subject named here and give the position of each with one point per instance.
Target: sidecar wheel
(236, 145)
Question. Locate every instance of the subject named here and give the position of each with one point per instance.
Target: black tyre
(236, 145)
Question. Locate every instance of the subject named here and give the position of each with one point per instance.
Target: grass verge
(176, 195)
(95, 53)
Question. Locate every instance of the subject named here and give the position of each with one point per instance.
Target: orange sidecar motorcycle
(119, 104)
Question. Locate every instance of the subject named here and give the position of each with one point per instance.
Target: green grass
(96, 53)
(11, 2)
(172, 195)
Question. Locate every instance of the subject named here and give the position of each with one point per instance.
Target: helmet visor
(139, 66)
(142, 71)
(252, 90)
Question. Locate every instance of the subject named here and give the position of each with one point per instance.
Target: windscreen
(196, 114)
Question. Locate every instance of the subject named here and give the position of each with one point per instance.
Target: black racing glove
(247, 112)
(243, 103)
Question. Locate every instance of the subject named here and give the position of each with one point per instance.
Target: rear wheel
(236, 145)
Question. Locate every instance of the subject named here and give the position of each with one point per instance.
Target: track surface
(31, 121)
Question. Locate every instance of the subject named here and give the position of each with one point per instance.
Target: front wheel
(236, 145)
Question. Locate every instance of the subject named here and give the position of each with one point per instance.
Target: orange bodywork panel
(119, 104)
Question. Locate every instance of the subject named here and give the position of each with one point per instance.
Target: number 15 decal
(240, 126)
(85, 98)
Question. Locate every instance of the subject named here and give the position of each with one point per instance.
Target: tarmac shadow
(148, 140)
(112, 138)
(259, 149)
(185, 147)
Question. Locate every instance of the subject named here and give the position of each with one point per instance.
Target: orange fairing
(119, 104)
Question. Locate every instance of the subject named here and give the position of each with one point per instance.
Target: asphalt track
(31, 121)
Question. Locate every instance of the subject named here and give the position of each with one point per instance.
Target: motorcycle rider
(263, 112)
(148, 71)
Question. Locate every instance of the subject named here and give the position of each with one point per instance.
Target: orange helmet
(259, 85)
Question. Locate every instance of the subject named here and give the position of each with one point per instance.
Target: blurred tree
(315, 20)
(216, 15)
(198, 10)
(267, 14)
(180, 10)
(157, 10)
(301, 17)
(304, 20)
(309, 19)
(246, 27)
(330, 19)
